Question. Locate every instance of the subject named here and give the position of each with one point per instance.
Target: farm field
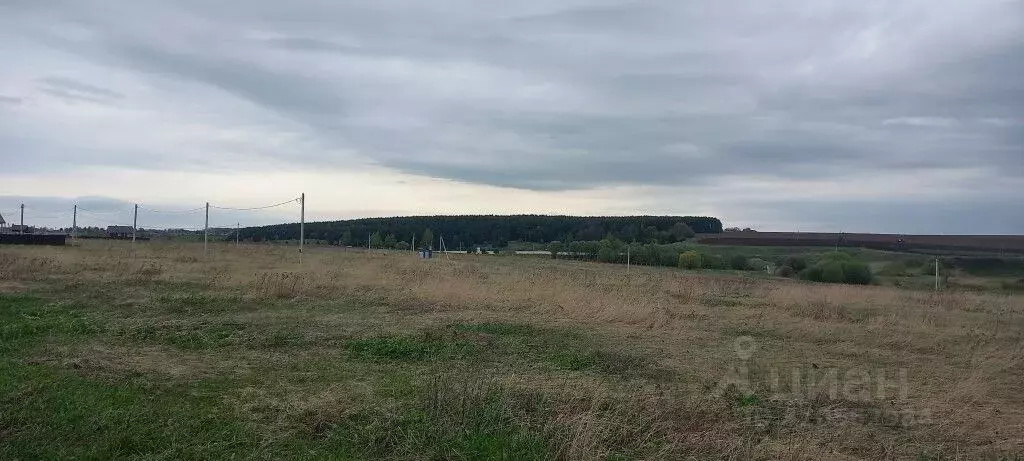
(958, 243)
(155, 352)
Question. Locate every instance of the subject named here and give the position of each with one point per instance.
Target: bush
(554, 248)
(832, 272)
(690, 260)
(797, 263)
(856, 273)
(812, 273)
(738, 262)
(756, 264)
(710, 261)
(402, 246)
(851, 272)
(786, 271)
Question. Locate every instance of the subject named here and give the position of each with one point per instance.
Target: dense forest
(492, 231)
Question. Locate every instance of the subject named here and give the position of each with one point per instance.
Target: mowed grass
(154, 352)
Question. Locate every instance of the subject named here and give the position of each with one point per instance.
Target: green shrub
(785, 271)
(851, 272)
(690, 260)
(712, 261)
(738, 262)
(756, 264)
(797, 263)
(856, 273)
(832, 272)
(812, 273)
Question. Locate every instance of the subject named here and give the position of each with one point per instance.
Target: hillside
(493, 230)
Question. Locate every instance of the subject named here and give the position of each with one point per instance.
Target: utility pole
(238, 228)
(413, 241)
(74, 223)
(135, 223)
(936, 274)
(302, 224)
(22, 218)
(206, 231)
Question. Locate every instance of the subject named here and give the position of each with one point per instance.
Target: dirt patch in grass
(206, 333)
(10, 286)
(108, 360)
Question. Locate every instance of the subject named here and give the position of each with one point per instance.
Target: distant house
(3, 224)
(20, 229)
(119, 232)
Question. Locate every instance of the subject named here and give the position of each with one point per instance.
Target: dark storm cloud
(575, 95)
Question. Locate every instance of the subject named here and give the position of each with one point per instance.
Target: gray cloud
(571, 95)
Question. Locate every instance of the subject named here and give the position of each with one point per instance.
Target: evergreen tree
(428, 239)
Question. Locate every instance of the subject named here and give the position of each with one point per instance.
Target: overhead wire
(193, 210)
(296, 199)
(103, 217)
(44, 217)
(129, 210)
(87, 213)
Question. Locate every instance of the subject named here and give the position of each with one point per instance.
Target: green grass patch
(27, 319)
(412, 348)
(196, 303)
(47, 413)
(501, 329)
(562, 349)
(444, 420)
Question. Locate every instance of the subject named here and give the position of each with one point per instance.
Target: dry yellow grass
(961, 352)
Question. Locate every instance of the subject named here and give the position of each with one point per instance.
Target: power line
(258, 207)
(194, 210)
(104, 212)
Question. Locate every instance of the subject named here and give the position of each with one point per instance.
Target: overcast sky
(863, 115)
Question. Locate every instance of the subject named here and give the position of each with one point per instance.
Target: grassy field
(155, 352)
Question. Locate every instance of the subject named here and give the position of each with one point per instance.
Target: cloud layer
(800, 114)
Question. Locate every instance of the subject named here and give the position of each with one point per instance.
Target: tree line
(492, 231)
